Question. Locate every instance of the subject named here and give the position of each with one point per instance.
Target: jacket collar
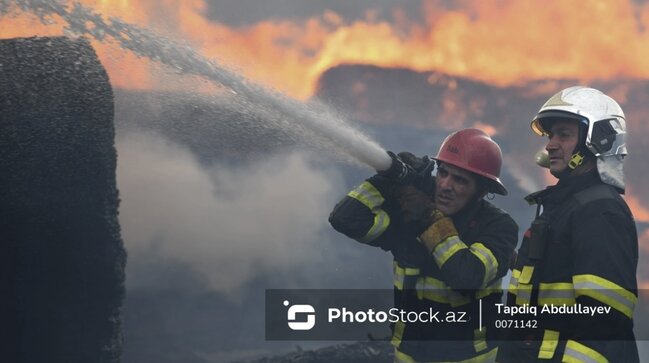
(462, 220)
(564, 188)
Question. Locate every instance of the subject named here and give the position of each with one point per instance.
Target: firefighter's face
(454, 188)
(562, 140)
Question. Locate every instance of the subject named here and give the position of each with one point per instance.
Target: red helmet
(473, 150)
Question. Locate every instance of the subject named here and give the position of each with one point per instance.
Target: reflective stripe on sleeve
(381, 223)
(367, 194)
(579, 353)
(556, 293)
(488, 260)
(400, 274)
(370, 197)
(606, 292)
(432, 289)
(447, 249)
(549, 345)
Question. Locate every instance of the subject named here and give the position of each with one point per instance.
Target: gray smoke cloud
(528, 177)
(227, 223)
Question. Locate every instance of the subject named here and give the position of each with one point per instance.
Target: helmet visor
(543, 121)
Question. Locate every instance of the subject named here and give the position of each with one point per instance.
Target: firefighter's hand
(399, 171)
(415, 205)
(423, 166)
(416, 162)
(440, 229)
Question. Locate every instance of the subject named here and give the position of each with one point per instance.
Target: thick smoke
(527, 178)
(228, 223)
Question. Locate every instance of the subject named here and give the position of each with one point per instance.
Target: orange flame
(644, 240)
(501, 43)
(640, 213)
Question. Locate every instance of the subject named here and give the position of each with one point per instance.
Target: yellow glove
(441, 229)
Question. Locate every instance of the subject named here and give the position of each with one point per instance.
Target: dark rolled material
(61, 254)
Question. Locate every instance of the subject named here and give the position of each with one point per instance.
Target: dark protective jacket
(581, 251)
(450, 280)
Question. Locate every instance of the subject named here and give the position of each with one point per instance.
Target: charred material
(61, 254)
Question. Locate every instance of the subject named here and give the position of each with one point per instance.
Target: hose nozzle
(398, 169)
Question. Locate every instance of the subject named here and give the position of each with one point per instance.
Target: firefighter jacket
(581, 254)
(450, 280)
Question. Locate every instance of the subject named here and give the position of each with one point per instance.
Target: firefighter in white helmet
(581, 252)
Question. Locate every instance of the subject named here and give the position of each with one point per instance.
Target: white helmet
(604, 124)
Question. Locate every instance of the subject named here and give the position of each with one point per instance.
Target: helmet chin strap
(579, 157)
(575, 160)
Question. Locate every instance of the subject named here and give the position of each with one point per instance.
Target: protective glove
(417, 163)
(440, 229)
(423, 166)
(415, 205)
(398, 171)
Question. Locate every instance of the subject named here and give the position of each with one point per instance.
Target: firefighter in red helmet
(450, 246)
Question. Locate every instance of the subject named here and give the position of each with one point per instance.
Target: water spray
(270, 104)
